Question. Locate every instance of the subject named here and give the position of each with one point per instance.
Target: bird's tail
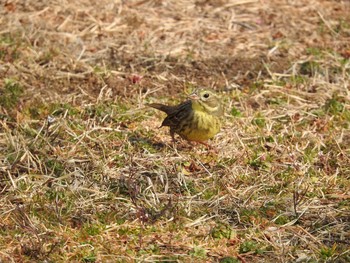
(167, 109)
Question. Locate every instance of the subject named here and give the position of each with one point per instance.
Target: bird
(196, 119)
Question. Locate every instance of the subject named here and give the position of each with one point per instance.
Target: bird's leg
(206, 144)
(209, 147)
(172, 134)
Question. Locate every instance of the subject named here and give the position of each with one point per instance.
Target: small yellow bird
(197, 119)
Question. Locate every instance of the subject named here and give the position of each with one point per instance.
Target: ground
(87, 175)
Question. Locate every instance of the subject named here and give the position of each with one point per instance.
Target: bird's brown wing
(177, 114)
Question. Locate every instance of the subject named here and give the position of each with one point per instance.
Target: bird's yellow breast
(204, 126)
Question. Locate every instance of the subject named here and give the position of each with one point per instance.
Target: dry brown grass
(86, 175)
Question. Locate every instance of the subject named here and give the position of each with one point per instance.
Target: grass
(87, 175)
(10, 94)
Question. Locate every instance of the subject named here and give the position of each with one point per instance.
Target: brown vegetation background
(87, 176)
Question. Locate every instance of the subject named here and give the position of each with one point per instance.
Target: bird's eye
(206, 95)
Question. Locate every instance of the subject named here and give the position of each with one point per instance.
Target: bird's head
(206, 100)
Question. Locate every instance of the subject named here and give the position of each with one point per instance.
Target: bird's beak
(193, 96)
